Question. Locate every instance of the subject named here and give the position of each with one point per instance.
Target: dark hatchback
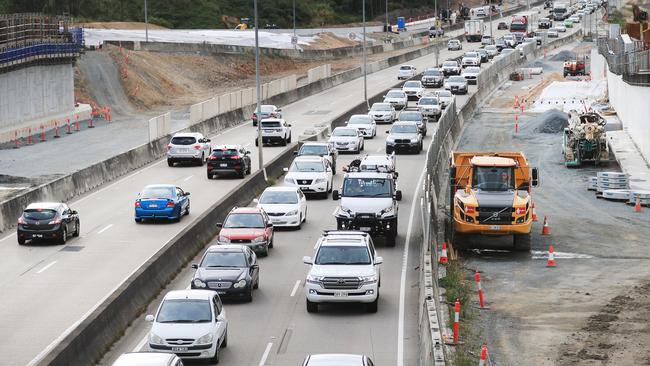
(47, 220)
(230, 270)
(229, 159)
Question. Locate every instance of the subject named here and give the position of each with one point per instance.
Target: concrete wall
(320, 72)
(160, 126)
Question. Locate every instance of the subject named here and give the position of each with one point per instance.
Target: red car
(248, 226)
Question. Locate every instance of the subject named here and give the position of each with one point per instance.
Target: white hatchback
(312, 174)
(188, 147)
(286, 206)
(366, 126)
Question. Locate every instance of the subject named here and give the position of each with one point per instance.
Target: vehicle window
(184, 140)
(313, 150)
(406, 128)
(433, 72)
(158, 193)
(184, 311)
(405, 68)
(223, 259)
(344, 132)
(224, 153)
(370, 363)
(271, 124)
(39, 214)
(240, 220)
(410, 116)
(217, 301)
(444, 93)
(350, 255)
(449, 63)
(380, 107)
(456, 79)
(179, 191)
(429, 101)
(473, 70)
(279, 198)
(493, 178)
(266, 108)
(363, 119)
(412, 84)
(307, 166)
(368, 187)
(395, 94)
(471, 54)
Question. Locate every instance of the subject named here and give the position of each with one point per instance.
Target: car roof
(160, 186)
(282, 189)
(344, 128)
(43, 205)
(381, 104)
(347, 238)
(314, 158)
(144, 359)
(227, 147)
(186, 134)
(335, 359)
(226, 248)
(409, 65)
(320, 143)
(245, 210)
(189, 294)
(404, 123)
(369, 175)
(273, 120)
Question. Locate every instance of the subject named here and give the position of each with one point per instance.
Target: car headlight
(316, 280)
(291, 213)
(390, 140)
(368, 280)
(240, 284)
(388, 211)
(259, 239)
(197, 282)
(343, 211)
(206, 339)
(321, 180)
(223, 239)
(154, 339)
(414, 140)
(289, 180)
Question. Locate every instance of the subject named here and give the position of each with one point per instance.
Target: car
(471, 74)
(413, 89)
(414, 115)
(491, 50)
(249, 226)
(47, 221)
(560, 28)
(346, 139)
(382, 112)
(397, 98)
(539, 37)
(148, 358)
(454, 45)
(266, 111)
(432, 78)
(229, 159)
(520, 49)
(323, 149)
(456, 84)
(436, 32)
(365, 125)
(502, 25)
(507, 51)
(430, 107)
(406, 72)
(312, 174)
(552, 33)
(574, 18)
(568, 23)
(286, 206)
(162, 201)
(451, 67)
(345, 268)
(274, 131)
(231, 270)
(500, 44)
(404, 136)
(190, 323)
(445, 97)
(544, 23)
(486, 40)
(510, 40)
(337, 359)
(529, 40)
(188, 147)
(471, 59)
(484, 56)
(519, 36)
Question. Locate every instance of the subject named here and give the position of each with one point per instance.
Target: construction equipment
(574, 67)
(235, 23)
(584, 139)
(490, 196)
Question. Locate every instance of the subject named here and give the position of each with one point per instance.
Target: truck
(523, 23)
(584, 139)
(490, 195)
(574, 67)
(560, 11)
(474, 30)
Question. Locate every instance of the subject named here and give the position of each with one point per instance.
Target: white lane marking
(402, 286)
(8, 236)
(295, 288)
(265, 355)
(140, 346)
(248, 144)
(188, 178)
(380, 149)
(104, 229)
(46, 267)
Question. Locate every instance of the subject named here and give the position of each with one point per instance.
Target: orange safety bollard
(56, 130)
(533, 209)
(477, 276)
(637, 205)
(42, 133)
(546, 230)
(68, 130)
(30, 139)
(17, 140)
(456, 321)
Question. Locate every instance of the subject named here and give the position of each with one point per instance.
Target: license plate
(364, 228)
(221, 292)
(37, 235)
(183, 150)
(268, 131)
(179, 349)
(340, 294)
(304, 188)
(223, 165)
(153, 206)
(495, 227)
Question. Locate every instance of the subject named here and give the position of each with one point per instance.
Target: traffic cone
(551, 257)
(533, 208)
(546, 230)
(443, 255)
(484, 353)
(637, 205)
(516, 101)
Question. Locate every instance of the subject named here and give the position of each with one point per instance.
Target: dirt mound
(551, 121)
(563, 55)
(328, 41)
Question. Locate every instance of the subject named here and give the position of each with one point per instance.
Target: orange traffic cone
(533, 208)
(443, 255)
(637, 205)
(551, 257)
(546, 230)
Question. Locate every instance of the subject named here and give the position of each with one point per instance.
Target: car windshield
(380, 107)
(456, 79)
(367, 187)
(509, 37)
(183, 140)
(411, 84)
(39, 214)
(453, 42)
(271, 124)
(279, 198)
(406, 128)
(428, 101)
(218, 153)
(472, 70)
(307, 166)
(492, 48)
(361, 119)
(346, 255)
(395, 94)
(157, 193)
(405, 68)
(471, 54)
(432, 72)
(493, 178)
(267, 109)
(410, 116)
(224, 259)
(185, 311)
(240, 221)
(344, 132)
(444, 93)
(313, 150)
(450, 64)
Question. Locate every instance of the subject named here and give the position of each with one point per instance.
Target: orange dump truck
(491, 195)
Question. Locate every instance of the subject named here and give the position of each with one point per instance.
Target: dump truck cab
(491, 195)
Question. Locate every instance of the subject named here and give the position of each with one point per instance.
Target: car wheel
(284, 142)
(265, 252)
(210, 176)
(312, 307)
(248, 170)
(170, 162)
(187, 210)
(178, 218)
(76, 229)
(271, 242)
(215, 358)
(257, 283)
(289, 140)
(249, 295)
(21, 241)
(242, 173)
(201, 160)
(372, 307)
(363, 146)
(137, 219)
(64, 236)
(224, 342)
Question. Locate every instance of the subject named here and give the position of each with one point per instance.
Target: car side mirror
(379, 260)
(335, 195)
(285, 169)
(345, 168)
(535, 177)
(295, 153)
(186, 194)
(255, 266)
(387, 132)
(329, 169)
(268, 224)
(398, 195)
(256, 201)
(307, 260)
(148, 318)
(279, 110)
(195, 266)
(207, 140)
(219, 224)
(288, 124)
(73, 212)
(247, 152)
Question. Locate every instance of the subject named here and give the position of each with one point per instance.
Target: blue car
(162, 201)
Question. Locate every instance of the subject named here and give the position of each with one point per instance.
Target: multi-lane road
(48, 289)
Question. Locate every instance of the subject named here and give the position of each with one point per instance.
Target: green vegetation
(208, 13)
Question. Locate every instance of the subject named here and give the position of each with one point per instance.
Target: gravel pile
(551, 121)
(564, 55)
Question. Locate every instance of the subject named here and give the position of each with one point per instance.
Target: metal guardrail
(633, 66)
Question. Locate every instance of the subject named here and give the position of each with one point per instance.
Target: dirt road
(593, 307)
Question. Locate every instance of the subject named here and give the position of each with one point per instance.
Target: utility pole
(365, 65)
(490, 10)
(146, 23)
(258, 87)
(387, 24)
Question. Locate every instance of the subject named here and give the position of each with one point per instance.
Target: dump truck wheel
(523, 242)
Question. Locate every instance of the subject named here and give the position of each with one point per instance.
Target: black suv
(229, 159)
(47, 220)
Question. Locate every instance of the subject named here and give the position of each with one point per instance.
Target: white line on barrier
(188, 178)
(140, 346)
(8, 236)
(46, 267)
(295, 288)
(104, 229)
(265, 355)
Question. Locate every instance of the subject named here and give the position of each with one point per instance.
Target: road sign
(294, 40)
(352, 36)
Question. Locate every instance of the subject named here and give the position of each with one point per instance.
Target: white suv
(312, 174)
(190, 323)
(406, 72)
(347, 139)
(471, 59)
(413, 89)
(344, 269)
(188, 147)
(366, 126)
(275, 130)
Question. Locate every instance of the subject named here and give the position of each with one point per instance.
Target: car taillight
(21, 221)
(235, 157)
(169, 147)
(54, 222)
(197, 147)
(520, 210)
(470, 209)
(212, 157)
(170, 204)
(137, 204)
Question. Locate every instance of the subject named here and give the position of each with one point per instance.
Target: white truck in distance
(474, 30)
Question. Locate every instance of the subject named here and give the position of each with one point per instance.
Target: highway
(48, 288)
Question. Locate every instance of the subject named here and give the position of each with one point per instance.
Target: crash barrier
(160, 126)
(320, 72)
